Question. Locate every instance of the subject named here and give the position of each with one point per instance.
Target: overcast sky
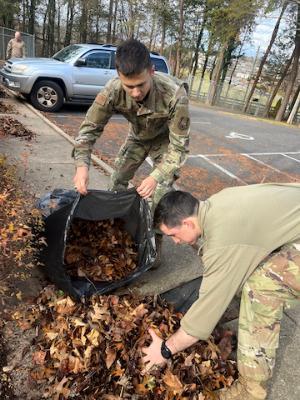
(263, 32)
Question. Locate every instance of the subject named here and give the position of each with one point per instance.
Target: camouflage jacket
(164, 112)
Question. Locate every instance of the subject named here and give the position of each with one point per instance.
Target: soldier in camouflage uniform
(250, 243)
(156, 106)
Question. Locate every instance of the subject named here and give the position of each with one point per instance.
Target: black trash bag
(97, 205)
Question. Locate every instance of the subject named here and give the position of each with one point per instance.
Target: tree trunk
(51, 27)
(58, 43)
(45, 43)
(212, 91)
(277, 86)
(264, 58)
(295, 106)
(235, 65)
(163, 36)
(24, 4)
(83, 21)
(70, 21)
(131, 21)
(115, 22)
(194, 65)
(294, 72)
(31, 17)
(295, 97)
(109, 21)
(180, 38)
(152, 31)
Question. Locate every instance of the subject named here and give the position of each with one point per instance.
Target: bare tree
(294, 71)
(180, 38)
(70, 21)
(83, 21)
(109, 21)
(264, 58)
(278, 84)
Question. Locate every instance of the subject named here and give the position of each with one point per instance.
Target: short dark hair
(132, 58)
(173, 208)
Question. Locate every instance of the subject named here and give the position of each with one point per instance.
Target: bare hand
(153, 353)
(147, 187)
(81, 179)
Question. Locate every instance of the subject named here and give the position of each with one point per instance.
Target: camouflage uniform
(159, 127)
(273, 286)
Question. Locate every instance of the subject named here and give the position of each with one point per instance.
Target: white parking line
(248, 155)
(291, 158)
(224, 170)
(238, 154)
(200, 122)
(267, 165)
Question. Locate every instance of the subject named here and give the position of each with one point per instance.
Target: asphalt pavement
(45, 164)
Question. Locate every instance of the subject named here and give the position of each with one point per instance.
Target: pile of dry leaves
(18, 251)
(6, 108)
(18, 244)
(3, 93)
(93, 351)
(100, 250)
(10, 126)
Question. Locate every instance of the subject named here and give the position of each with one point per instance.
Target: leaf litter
(92, 350)
(58, 349)
(11, 126)
(100, 250)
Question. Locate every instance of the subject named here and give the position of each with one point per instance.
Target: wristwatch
(165, 351)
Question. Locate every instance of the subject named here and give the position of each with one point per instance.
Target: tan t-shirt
(241, 226)
(15, 49)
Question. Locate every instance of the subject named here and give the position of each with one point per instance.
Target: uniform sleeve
(92, 127)
(226, 270)
(8, 50)
(179, 129)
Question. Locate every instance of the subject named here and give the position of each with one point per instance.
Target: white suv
(74, 75)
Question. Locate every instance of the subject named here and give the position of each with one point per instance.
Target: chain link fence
(6, 34)
(234, 98)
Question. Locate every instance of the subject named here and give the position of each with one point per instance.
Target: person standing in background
(16, 47)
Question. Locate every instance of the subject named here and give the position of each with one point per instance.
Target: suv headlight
(19, 69)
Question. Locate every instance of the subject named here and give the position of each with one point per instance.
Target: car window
(160, 65)
(99, 59)
(68, 53)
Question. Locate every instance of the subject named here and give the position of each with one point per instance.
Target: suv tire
(47, 96)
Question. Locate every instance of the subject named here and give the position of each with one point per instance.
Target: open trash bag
(61, 206)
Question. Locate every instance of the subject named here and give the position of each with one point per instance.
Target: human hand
(81, 179)
(153, 353)
(147, 187)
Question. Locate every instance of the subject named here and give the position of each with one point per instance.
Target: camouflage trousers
(274, 286)
(131, 155)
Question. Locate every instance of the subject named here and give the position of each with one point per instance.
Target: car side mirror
(80, 62)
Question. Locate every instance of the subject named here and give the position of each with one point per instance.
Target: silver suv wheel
(47, 96)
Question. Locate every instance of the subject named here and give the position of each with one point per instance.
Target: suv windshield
(68, 53)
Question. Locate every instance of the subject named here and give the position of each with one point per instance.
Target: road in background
(225, 149)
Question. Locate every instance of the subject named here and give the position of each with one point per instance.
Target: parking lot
(225, 149)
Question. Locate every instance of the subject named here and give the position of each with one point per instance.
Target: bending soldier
(250, 242)
(156, 105)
